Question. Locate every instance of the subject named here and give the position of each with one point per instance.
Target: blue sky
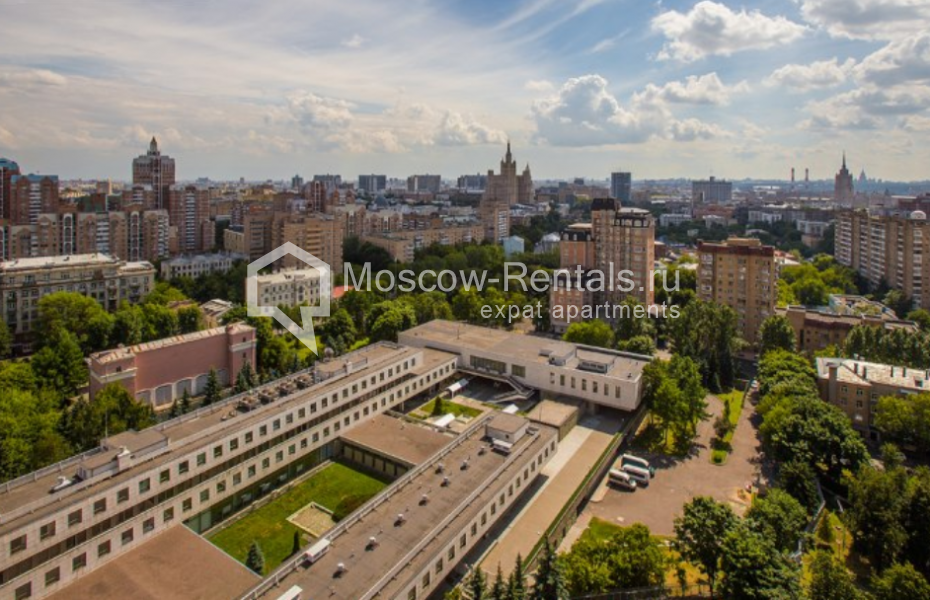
(670, 88)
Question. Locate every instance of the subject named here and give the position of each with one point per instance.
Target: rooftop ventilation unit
(424, 500)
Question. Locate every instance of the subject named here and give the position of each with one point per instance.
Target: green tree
(591, 333)
(112, 410)
(922, 317)
(78, 314)
(634, 321)
(29, 432)
(212, 390)
(160, 321)
(549, 582)
(6, 340)
(898, 301)
(17, 376)
(295, 547)
(499, 588)
(59, 365)
(829, 579)
(905, 419)
(629, 558)
(190, 319)
(876, 514)
(917, 519)
(797, 477)
(700, 532)
(641, 344)
(779, 518)
(476, 584)
(255, 559)
(245, 379)
(389, 318)
(753, 569)
(706, 332)
(340, 324)
(516, 583)
(129, 326)
(437, 407)
(776, 333)
(901, 582)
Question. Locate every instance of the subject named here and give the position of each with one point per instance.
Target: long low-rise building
(159, 372)
(68, 519)
(598, 376)
(199, 264)
(403, 547)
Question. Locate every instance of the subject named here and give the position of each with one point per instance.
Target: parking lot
(678, 480)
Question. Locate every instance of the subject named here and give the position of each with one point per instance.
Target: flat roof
(528, 347)
(864, 373)
(175, 564)
(38, 262)
(366, 567)
(198, 429)
(107, 356)
(397, 438)
(552, 413)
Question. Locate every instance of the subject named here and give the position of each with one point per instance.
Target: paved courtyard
(678, 480)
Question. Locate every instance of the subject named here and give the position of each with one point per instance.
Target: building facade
(508, 186)
(189, 213)
(8, 170)
(292, 287)
(199, 468)
(199, 264)
(402, 245)
(372, 184)
(105, 279)
(621, 187)
(711, 191)
(156, 171)
(843, 191)
(159, 372)
(887, 247)
(624, 241)
(740, 273)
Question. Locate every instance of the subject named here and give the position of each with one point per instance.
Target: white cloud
(462, 130)
(585, 113)
(539, 85)
(711, 28)
(868, 19)
(317, 113)
(866, 108)
(30, 78)
(689, 130)
(915, 124)
(703, 89)
(355, 41)
(816, 75)
(902, 61)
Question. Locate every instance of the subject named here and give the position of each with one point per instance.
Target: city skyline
(675, 89)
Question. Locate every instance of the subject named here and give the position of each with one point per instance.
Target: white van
(642, 463)
(621, 480)
(637, 474)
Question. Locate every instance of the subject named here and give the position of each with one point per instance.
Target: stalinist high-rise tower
(508, 187)
(843, 184)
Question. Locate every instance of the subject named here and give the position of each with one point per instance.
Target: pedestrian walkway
(566, 471)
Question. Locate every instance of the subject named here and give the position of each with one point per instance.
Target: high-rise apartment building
(330, 182)
(8, 169)
(430, 184)
(320, 235)
(189, 212)
(154, 170)
(711, 191)
(32, 195)
(624, 241)
(843, 191)
(621, 187)
(372, 184)
(887, 247)
(507, 186)
(472, 183)
(740, 273)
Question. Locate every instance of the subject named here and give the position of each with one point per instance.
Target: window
(426, 580)
(204, 495)
(18, 545)
(217, 452)
(233, 444)
(187, 505)
(451, 553)
(52, 576)
(103, 549)
(279, 456)
(237, 478)
(122, 496)
(439, 567)
(266, 462)
(168, 515)
(183, 467)
(221, 487)
(164, 476)
(411, 595)
(79, 562)
(25, 591)
(144, 486)
(100, 506)
(126, 537)
(263, 430)
(276, 425)
(463, 539)
(75, 518)
(251, 471)
(148, 525)
(249, 436)
(201, 459)
(47, 530)
(518, 371)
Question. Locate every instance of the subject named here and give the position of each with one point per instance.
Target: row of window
(595, 385)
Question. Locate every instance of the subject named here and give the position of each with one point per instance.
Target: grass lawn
(601, 530)
(337, 487)
(841, 545)
(734, 401)
(651, 439)
(448, 407)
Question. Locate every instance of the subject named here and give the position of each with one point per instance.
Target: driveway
(678, 480)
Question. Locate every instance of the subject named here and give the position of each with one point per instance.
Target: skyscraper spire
(508, 157)
(844, 160)
(153, 145)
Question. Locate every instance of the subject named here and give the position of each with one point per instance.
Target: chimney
(856, 368)
(865, 372)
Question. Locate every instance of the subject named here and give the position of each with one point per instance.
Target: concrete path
(563, 474)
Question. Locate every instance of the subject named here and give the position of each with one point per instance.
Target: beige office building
(740, 273)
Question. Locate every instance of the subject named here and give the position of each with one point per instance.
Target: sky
(266, 90)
